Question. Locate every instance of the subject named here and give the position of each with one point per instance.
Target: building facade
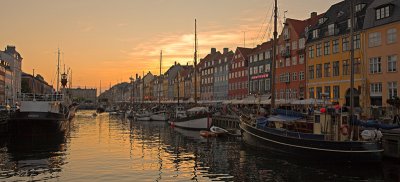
(35, 85)
(221, 72)
(260, 69)
(328, 55)
(382, 51)
(207, 75)
(13, 73)
(290, 65)
(238, 74)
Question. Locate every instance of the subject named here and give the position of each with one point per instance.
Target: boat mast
(195, 61)
(159, 79)
(177, 76)
(143, 88)
(352, 69)
(58, 69)
(274, 57)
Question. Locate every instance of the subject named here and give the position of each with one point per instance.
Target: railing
(41, 97)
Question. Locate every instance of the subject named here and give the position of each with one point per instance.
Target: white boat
(197, 118)
(218, 130)
(159, 116)
(143, 115)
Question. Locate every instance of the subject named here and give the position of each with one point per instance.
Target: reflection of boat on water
(190, 134)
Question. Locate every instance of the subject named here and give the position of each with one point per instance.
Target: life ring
(344, 129)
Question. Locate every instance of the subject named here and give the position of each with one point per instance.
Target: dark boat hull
(331, 151)
(37, 123)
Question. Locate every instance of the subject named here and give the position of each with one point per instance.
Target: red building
(207, 75)
(291, 58)
(238, 74)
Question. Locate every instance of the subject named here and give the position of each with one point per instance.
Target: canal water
(105, 148)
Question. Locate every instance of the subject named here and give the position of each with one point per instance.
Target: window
(251, 70)
(327, 69)
(392, 63)
(327, 48)
(336, 92)
(294, 75)
(383, 12)
(357, 65)
(315, 34)
(318, 71)
(319, 92)
(345, 44)
(301, 59)
(261, 56)
(357, 41)
(311, 72)
(335, 46)
(268, 55)
(327, 90)
(391, 35)
(302, 43)
(359, 7)
(331, 29)
(346, 67)
(251, 59)
(281, 64)
(267, 84)
(294, 60)
(287, 61)
(392, 88)
(311, 52)
(267, 68)
(301, 75)
(318, 51)
(294, 45)
(375, 65)
(261, 69)
(376, 88)
(374, 39)
(311, 93)
(336, 68)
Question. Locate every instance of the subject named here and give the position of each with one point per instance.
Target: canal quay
(113, 148)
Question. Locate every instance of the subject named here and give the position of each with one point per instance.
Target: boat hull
(159, 117)
(193, 123)
(37, 123)
(332, 151)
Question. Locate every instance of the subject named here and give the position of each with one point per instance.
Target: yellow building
(382, 51)
(328, 56)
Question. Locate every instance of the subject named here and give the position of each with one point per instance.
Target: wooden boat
(197, 118)
(205, 133)
(218, 130)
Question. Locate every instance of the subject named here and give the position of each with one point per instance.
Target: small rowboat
(205, 133)
(218, 130)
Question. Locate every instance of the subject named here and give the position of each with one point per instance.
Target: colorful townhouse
(259, 72)
(382, 51)
(221, 71)
(328, 55)
(238, 79)
(207, 75)
(290, 65)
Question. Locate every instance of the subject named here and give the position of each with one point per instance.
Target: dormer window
(331, 29)
(382, 12)
(340, 13)
(322, 20)
(360, 7)
(315, 33)
(349, 22)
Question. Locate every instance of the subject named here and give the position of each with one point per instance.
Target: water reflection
(106, 148)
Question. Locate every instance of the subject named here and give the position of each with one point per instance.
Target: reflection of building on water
(32, 156)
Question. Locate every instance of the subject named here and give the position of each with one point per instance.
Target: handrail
(40, 97)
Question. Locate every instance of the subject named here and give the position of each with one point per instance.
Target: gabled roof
(261, 48)
(244, 51)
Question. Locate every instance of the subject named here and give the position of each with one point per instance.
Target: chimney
(137, 76)
(226, 50)
(213, 50)
(313, 14)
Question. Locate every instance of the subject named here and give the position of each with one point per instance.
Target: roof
(262, 48)
(244, 51)
(370, 17)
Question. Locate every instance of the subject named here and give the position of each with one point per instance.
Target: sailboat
(158, 113)
(44, 112)
(196, 118)
(270, 132)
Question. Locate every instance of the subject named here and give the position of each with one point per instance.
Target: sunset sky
(112, 40)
